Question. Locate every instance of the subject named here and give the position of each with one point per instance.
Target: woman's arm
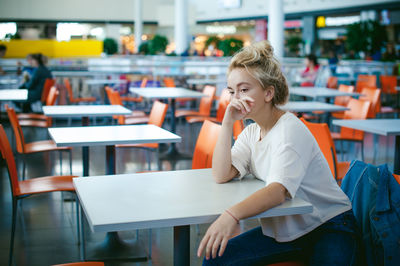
(226, 225)
(222, 167)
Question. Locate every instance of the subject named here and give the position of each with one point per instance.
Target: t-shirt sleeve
(287, 168)
(240, 154)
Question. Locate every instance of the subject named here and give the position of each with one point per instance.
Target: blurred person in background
(309, 74)
(36, 82)
(3, 50)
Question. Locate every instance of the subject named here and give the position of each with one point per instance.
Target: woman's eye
(231, 92)
(244, 90)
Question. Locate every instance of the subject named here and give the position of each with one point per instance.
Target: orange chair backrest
(67, 85)
(358, 110)
(222, 104)
(365, 81)
(52, 97)
(110, 96)
(325, 142)
(157, 113)
(238, 127)
(48, 83)
(332, 82)
(206, 102)
(205, 144)
(388, 84)
(144, 83)
(7, 154)
(397, 178)
(374, 96)
(169, 82)
(19, 136)
(343, 100)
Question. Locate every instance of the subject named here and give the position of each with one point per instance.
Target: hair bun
(264, 49)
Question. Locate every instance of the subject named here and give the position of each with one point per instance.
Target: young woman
(278, 149)
(309, 74)
(36, 82)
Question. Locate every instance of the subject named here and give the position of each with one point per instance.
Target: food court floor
(46, 228)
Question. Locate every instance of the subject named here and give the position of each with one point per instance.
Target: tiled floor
(46, 227)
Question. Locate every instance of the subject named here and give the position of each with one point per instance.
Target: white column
(138, 24)
(181, 26)
(275, 26)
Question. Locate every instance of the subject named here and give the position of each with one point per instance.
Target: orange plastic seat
(39, 120)
(325, 142)
(358, 110)
(74, 100)
(24, 148)
(205, 104)
(374, 96)
(388, 86)
(48, 84)
(342, 100)
(205, 144)
(22, 189)
(365, 81)
(397, 178)
(157, 117)
(332, 82)
(238, 127)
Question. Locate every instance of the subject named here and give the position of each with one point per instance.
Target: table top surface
(167, 198)
(320, 92)
(377, 126)
(13, 95)
(205, 81)
(166, 93)
(85, 110)
(105, 81)
(111, 135)
(309, 106)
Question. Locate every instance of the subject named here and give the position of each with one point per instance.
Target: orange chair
(40, 120)
(332, 82)
(397, 178)
(156, 117)
(169, 82)
(238, 127)
(365, 81)
(374, 96)
(205, 104)
(33, 147)
(358, 110)
(115, 99)
(86, 263)
(222, 105)
(342, 100)
(46, 89)
(76, 100)
(23, 189)
(325, 142)
(205, 144)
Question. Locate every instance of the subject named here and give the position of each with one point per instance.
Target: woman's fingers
(209, 246)
(224, 242)
(215, 246)
(202, 245)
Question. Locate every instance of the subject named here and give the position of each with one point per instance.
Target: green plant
(230, 46)
(366, 36)
(144, 48)
(158, 44)
(293, 44)
(110, 46)
(214, 40)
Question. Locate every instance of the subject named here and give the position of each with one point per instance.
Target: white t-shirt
(290, 155)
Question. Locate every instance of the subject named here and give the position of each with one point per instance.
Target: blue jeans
(333, 243)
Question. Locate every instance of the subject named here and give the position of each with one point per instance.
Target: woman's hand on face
(217, 236)
(239, 108)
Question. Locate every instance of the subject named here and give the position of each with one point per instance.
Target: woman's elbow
(219, 178)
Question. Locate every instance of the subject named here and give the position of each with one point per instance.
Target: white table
(165, 199)
(310, 106)
(109, 136)
(319, 92)
(205, 81)
(105, 81)
(386, 127)
(85, 110)
(14, 95)
(172, 94)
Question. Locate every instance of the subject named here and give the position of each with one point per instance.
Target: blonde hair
(259, 61)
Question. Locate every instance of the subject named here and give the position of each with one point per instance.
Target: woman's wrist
(233, 216)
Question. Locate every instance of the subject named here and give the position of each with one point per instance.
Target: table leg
(396, 168)
(182, 245)
(113, 247)
(173, 152)
(85, 150)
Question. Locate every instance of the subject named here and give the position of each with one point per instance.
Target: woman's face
(241, 84)
(34, 63)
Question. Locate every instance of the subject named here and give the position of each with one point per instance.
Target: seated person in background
(279, 150)
(26, 71)
(36, 82)
(3, 50)
(310, 73)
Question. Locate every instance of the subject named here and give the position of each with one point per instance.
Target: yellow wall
(53, 48)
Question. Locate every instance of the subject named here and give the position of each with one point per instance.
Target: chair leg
(78, 220)
(150, 242)
(13, 225)
(159, 165)
(60, 158)
(70, 161)
(148, 159)
(82, 234)
(23, 167)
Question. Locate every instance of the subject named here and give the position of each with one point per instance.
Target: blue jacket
(375, 196)
(36, 83)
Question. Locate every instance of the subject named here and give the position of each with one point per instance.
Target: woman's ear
(269, 94)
